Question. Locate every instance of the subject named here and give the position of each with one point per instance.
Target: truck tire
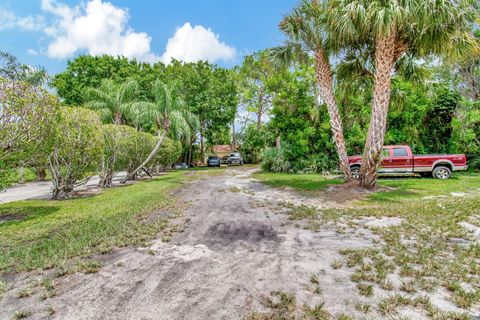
(355, 170)
(442, 172)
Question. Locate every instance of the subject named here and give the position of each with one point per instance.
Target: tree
(168, 114)
(11, 69)
(253, 76)
(112, 100)
(209, 92)
(394, 28)
(89, 71)
(77, 149)
(308, 35)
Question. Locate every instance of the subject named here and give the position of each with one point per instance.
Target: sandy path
(232, 251)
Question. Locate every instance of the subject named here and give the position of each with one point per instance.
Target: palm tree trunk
(325, 81)
(117, 118)
(149, 158)
(385, 56)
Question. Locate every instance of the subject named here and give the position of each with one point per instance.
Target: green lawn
(307, 182)
(50, 233)
(398, 188)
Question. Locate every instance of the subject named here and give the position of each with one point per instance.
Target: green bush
(273, 159)
(140, 146)
(169, 152)
(77, 149)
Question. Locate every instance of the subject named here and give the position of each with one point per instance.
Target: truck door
(401, 161)
(386, 161)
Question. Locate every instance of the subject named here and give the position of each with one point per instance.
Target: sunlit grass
(47, 233)
(308, 182)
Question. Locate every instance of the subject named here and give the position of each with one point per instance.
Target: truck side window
(400, 152)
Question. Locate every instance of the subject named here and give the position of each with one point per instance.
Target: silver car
(235, 158)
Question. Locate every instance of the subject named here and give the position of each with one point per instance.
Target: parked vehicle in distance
(400, 160)
(224, 159)
(213, 161)
(235, 158)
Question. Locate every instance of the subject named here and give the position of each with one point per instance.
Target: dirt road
(236, 247)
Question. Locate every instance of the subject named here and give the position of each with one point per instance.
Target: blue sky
(49, 32)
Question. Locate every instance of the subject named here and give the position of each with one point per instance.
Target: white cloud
(97, 27)
(32, 52)
(9, 20)
(196, 43)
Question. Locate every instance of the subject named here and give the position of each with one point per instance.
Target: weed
(337, 264)
(314, 279)
(24, 293)
(21, 315)
(363, 307)
(365, 289)
(89, 266)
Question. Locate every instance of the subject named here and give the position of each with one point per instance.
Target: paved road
(43, 190)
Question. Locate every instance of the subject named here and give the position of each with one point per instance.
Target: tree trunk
(117, 118)
(234, 138)
(202, 147)
(41, 173)
(190, 151)
(21, 173)
(149, 158)
(325, 81)
(385, 56)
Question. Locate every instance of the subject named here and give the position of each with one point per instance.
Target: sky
(50, 32)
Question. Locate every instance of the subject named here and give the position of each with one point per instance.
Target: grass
(51, 233)
(307, 182)
(422, 251)
(414, 188)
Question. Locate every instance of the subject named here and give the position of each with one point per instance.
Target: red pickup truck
(400, 160)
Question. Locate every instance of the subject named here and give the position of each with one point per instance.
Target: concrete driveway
(43, 189)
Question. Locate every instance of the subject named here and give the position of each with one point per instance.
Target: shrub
(139, 148)
(273, 159)
(118, 149)
(169, 152)
(77, 149)
(28, 118)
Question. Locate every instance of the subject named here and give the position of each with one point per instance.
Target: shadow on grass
(14, 215)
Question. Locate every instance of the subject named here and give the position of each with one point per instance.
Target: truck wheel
(442, 172)
(355, 172)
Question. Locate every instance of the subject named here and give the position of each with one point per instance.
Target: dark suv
(213, 161)
(235, 158)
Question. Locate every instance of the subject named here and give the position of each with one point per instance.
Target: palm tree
(111, 100)
(394, 28)
(167, 114)
(308, 35)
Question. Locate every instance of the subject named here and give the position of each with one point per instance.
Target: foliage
(169, 153)
(466, 132)
(253, 141)
(28, 117)
(209, 92)
(11, 69)
(77, 150)
(90, 71)
(273, 159)
(112, 101)
(140, 145)
(118, 150)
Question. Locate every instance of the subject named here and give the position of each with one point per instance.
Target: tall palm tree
(111, 100)
(395, 28)
(167, 114)
(308, 35)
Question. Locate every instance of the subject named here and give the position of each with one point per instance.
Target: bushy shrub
(28, 118)
(273, 159)
(466, 133)
(169, 152)
(118, 148)
(77, 149)
(139, 148)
